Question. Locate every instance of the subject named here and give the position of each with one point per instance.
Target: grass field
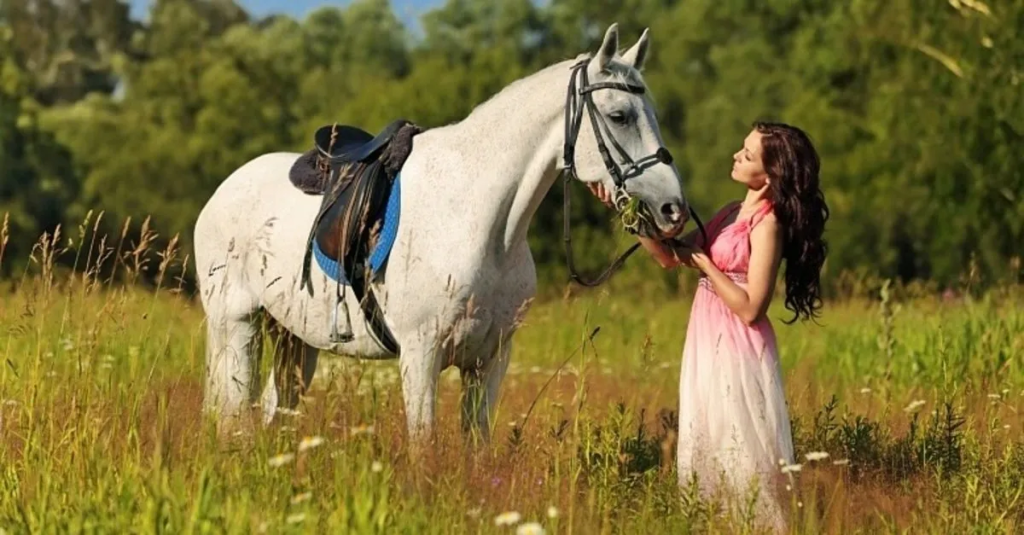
(916, 401)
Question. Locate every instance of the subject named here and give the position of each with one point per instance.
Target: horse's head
(607, 95)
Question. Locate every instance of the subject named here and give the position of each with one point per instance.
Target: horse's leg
(480, 388)
(233, 349)
(294, 365)
(420, 368)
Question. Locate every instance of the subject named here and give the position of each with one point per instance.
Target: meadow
(908, 402)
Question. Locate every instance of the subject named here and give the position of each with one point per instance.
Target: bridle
(580, 97)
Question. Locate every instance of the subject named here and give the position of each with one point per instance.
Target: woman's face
(747, 168)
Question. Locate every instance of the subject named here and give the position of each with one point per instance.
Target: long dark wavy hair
(792, 163)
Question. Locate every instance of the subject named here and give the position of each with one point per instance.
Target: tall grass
(908, 406)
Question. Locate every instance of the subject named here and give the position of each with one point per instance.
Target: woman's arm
(676, 251)
(661, 252)
(667, 254)
(765, 257)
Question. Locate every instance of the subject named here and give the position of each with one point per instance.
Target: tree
(69, 47)
(915, 108)
(36, 176)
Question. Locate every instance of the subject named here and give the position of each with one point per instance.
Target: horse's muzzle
(671, 219)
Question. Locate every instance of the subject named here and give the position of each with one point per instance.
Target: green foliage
(916, 108)
(36, 177)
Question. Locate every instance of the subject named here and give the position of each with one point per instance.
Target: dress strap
(715, 225)
(755, 218)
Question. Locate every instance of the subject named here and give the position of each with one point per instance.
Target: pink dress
(733, 421)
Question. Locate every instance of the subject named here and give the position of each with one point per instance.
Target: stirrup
(337, 337)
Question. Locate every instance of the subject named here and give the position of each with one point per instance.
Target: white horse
(460, 273)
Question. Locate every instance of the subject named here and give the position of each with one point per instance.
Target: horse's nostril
(673, 212)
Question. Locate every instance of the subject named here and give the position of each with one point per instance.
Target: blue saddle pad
(379, 255)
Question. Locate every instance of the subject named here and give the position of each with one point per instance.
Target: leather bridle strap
(579, 97)
(569, 257)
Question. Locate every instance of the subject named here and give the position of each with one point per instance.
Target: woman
(734, 425)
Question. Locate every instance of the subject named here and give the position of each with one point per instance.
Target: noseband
(580, 96)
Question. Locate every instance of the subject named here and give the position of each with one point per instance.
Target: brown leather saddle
(355, 172)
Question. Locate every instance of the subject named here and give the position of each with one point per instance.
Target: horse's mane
(618, 71)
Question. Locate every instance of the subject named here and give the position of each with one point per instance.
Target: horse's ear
(637, 55)
(609, 47)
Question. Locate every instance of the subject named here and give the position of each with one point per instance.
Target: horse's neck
(513, 144)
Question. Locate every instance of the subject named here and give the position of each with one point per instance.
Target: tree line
(916, 107)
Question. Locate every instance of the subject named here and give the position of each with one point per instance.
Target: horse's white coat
(460, 272)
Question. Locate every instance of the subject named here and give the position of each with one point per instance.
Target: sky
(407, 10)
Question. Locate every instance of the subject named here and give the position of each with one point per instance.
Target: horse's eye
(618, 117)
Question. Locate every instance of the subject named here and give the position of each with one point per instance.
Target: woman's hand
(701, 260)
(599, 191)
(690, 255)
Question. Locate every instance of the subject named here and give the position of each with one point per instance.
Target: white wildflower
(309, 443)
(914, 405)
(865, 390)
(530, 528)
(376, 467)
(817, 455)
(295, 519)
(299, 498)
(792, 468)
(552, 512)
(281, 459)
(509, 518)
(994, 396)
(362, 430)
